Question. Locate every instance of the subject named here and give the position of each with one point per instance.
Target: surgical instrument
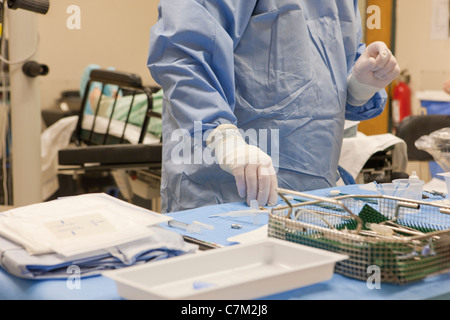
(194, 227)
(255, 211)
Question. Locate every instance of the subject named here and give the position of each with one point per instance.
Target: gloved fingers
(378, 49)
(265, 173)
(273, 195)
(382, 60)
(364, 66)
(377, 66)
(251, 180)
(388, 74)
(241, 184)
(388, 68)
(261, 183)
(391, 76)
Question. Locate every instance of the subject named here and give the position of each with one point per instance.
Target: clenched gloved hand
(251, 167)
(373, 71)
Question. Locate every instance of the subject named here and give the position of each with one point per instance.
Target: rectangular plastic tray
(242, 271)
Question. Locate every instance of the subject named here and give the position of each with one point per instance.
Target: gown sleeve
(191, 56)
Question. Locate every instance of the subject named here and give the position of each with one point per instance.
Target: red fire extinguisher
(401, 101)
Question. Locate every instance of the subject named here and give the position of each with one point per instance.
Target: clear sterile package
(78, 224)
(437, 144)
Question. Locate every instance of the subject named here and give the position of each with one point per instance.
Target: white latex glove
(251, 167)
(373, 71)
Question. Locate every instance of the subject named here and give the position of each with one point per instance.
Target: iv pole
(25, 102)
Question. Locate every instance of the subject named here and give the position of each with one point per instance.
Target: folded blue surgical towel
(161, 244)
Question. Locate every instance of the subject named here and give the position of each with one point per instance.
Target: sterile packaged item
(446, 176)
(76, 225)
(437, 144)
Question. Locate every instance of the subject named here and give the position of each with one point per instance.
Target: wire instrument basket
(403, 240)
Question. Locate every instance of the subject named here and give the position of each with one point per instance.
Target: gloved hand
(374, 70)
(251, 167)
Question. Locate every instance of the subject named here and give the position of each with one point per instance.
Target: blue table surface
(338, 287)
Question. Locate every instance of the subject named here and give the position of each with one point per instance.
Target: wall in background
(427, 59)
(115, 33)
(112, 33)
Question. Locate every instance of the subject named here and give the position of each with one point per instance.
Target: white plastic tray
(242, 271)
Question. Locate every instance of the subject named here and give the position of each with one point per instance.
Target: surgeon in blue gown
(256, 93)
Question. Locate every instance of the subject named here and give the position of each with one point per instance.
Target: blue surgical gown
(277, 69)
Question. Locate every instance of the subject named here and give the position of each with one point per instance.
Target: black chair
(99, 151)
(412, 128)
